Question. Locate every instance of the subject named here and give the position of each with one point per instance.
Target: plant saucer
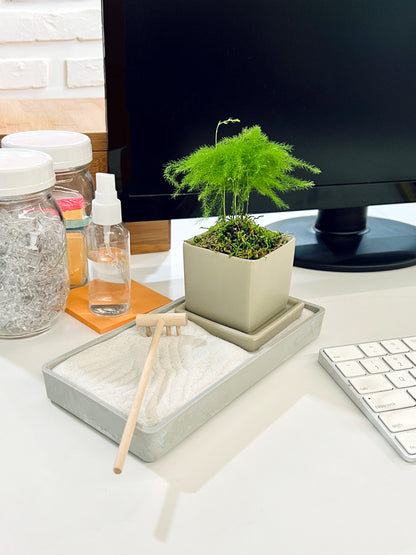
(250, 341)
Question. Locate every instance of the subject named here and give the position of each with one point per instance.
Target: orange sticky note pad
(143, 300)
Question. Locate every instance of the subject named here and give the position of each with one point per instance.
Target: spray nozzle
(106, 207)
(105, 187)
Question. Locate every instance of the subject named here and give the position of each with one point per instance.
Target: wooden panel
(99, 163)
(84, 115)
(149, 236)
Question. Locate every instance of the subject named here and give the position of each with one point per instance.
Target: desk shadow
(194, 462)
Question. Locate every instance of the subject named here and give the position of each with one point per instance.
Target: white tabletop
(291, 467)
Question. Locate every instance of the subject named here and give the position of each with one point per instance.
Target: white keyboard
(380, 377)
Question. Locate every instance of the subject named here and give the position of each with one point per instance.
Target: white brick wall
(51, 49)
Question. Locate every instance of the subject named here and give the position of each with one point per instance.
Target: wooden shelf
(84, 115)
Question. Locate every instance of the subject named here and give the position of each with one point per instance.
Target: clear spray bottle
(108, 252)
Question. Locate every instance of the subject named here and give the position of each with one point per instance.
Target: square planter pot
(239, 293)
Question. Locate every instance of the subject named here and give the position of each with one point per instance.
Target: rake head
(169, 320)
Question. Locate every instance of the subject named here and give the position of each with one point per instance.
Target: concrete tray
(151, 442)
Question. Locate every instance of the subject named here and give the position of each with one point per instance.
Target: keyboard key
(371, 384)
(374, 365)
(347, 352)
(373, 349)
(408, 441)
(412, 357)
(410, 342)
(412, 391)
(395, 346)
(398, 362)
(398, 420)
(401, 379)
(389, 400)
(351, 368)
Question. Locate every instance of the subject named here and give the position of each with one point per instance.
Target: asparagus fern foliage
(225, 175)
(234, 168)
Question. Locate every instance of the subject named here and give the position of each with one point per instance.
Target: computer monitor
(337, 80)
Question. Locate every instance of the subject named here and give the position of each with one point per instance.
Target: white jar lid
(24, 171)
(67, 148)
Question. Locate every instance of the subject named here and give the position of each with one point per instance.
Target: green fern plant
(226, 174)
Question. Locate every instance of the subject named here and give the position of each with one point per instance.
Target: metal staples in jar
(34, 281)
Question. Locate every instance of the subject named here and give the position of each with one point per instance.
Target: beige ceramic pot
(239, 293)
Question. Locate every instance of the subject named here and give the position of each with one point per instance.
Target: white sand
(184, 367)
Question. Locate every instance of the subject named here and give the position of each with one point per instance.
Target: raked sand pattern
(184, 367)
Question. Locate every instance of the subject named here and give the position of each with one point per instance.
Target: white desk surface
(291, 467)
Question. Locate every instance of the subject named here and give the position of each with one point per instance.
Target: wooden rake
(148, 321)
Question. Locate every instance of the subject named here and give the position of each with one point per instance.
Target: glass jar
(34, 280)
(71, 153)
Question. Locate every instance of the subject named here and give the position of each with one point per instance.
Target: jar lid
(67, 148)
(24, 171)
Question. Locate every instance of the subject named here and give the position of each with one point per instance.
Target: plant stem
(225, 122)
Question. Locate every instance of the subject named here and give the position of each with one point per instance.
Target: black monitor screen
(337, 80)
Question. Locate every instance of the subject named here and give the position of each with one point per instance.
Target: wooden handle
(134, 411)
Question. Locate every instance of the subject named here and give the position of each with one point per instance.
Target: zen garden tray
(196, 376)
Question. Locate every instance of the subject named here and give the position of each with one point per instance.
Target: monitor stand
(345, 240)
